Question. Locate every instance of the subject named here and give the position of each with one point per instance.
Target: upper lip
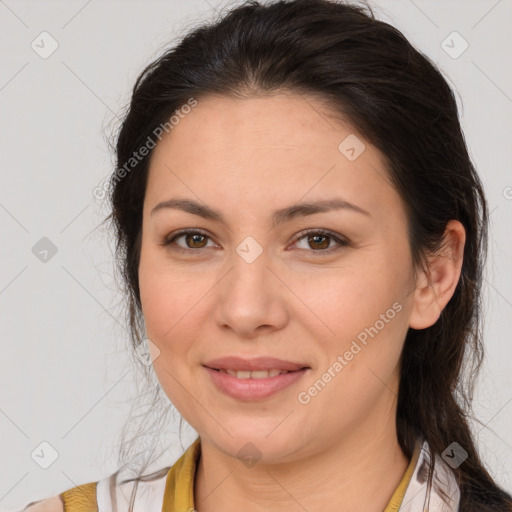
(253, 364)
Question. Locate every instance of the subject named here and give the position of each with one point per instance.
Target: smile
(258, 374)
(253, 385)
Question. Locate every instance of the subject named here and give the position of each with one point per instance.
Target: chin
(265, 443)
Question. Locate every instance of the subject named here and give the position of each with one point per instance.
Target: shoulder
(81, 498)
(125, 491)
(47, 505)
(166, 489)
(144, 494)
(122, 493)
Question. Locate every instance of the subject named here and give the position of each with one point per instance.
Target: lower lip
(253, 389)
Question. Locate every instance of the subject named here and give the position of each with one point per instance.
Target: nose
(251, 299)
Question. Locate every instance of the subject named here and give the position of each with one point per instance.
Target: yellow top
(80, 498)
(179, 487)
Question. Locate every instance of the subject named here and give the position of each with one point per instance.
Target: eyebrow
(278, 217)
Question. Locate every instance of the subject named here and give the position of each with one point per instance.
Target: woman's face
(335, 305)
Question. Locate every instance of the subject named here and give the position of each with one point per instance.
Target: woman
(302, 232)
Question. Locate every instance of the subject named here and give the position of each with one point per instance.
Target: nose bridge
(250, 270)
(248, 294)
(249, 250)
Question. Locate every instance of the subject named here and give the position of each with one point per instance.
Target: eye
(194, 239)
(320, 240)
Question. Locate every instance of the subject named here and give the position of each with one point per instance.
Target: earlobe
(436, 285)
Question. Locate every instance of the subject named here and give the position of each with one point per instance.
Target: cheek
(362, 312)
(169, 319)
(348, 301)
(168, 308)
(168, 313)
(169, 296)
(367, 323)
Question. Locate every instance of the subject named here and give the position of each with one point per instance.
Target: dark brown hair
(369, 74)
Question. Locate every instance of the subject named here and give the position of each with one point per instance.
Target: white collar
(443, 481)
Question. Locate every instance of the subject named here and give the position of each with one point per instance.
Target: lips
(253, 379)
(258, 364)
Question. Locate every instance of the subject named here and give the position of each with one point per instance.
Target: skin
(247, 158)
(53, 504)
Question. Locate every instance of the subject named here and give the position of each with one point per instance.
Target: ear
(436, 285)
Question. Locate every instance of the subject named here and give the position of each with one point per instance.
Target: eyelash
(319, 252)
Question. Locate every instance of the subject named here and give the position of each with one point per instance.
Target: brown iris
(195, 237)
(313, 239)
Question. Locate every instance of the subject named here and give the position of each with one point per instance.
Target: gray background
(66, 377)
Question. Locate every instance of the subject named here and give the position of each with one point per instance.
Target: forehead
(267, 151)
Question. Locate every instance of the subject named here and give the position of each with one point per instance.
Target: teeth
(259, 374)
